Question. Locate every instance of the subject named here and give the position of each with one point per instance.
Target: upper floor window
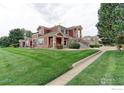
(66, 31)
(62, 30)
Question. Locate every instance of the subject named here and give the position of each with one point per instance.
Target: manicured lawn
(36, 66)
(106, 70)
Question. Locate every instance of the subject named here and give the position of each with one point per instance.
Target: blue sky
(31, 15)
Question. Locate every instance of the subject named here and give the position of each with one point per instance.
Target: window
(66, 31)
(27, 43)
(40, 41)
(64, 42)
(62, 31)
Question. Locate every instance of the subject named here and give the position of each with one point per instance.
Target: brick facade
(52, 37)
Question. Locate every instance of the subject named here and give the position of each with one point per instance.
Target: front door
(50, 42)
(58, 41)
(30, 44)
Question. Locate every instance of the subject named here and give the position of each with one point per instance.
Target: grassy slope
(107, 70)
(36, 66)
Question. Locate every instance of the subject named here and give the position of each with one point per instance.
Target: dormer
(63, 29)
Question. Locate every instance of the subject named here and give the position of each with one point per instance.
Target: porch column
(25, 43)
(80, 33)
(63, 41)
(54, 41)
(32, 43)
(48, 42)
(20, 44)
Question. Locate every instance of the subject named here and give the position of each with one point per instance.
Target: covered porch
(57, 41)
(25, 43)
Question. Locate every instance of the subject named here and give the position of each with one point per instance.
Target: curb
(85, 59)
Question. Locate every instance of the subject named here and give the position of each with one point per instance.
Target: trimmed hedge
(14, 45)
(59, 46)
(95, 46)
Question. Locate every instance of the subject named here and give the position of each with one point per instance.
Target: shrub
(120, 41)
(14, 45)
(95, 46)
(59, 46)
(119, 46)
(74, 45)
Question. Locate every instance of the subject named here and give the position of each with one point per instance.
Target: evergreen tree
(4, 41)
(111, 21)
(15, 35)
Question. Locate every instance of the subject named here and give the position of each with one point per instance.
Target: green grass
(36, 66)
(106, 70)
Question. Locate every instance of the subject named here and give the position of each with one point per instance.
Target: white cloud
(30, 16)
(19, 16)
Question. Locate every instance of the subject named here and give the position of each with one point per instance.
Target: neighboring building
(52, 37)
(90, 40)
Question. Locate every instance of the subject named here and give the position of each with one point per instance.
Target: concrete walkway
(66, 77)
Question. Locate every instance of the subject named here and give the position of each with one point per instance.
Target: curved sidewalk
(66, 77)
